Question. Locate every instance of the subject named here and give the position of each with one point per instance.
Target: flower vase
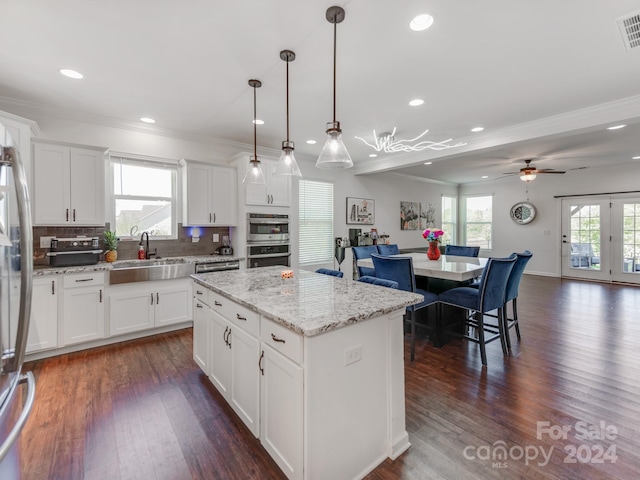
(434, 251)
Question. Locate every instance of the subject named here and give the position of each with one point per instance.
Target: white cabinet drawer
(246, 319)
(83, 279)
(282, 339)
(201, 293)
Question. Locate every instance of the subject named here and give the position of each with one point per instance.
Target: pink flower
(432, 235)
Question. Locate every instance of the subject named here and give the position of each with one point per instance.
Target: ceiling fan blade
(548, 171)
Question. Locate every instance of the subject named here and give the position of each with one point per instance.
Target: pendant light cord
(335, 36)
(287, 100)
(255, 127)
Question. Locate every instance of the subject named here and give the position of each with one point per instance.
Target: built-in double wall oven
(268, 240)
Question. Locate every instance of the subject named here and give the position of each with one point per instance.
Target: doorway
(601, 238)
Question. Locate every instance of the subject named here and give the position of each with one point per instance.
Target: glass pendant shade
(334, 155)
(527, 177)
(254, 174)
(287, 164)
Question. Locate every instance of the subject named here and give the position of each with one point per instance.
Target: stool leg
(515, 318)
(504, 331)
(483, 349)
(413, 334)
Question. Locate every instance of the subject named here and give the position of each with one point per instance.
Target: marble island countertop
(309, 303)
(39, 270)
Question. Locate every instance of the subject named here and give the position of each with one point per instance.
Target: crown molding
(33, 126)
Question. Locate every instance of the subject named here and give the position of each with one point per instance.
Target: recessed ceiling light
(257, 121)
(477, 129)
(484, 176)
(636, 158)
(373, 155)
(311, 142)
(71, 73)
(421, 22)
(616, 127)
(428, 163)
(147, 120)
(416, 102)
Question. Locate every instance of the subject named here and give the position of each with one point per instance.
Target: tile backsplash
(128, 249)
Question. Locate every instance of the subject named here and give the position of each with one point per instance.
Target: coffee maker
(225, 249)
(355, 236)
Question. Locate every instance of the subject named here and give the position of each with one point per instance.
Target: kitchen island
(313, 365)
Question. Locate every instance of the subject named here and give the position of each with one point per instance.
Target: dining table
(455, 269)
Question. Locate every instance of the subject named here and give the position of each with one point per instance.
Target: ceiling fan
(529, 172)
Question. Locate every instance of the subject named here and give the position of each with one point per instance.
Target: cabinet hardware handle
(67, 215)
(210, 218)
(229, 338)
(198, 305)
(157, 298)
(53, 287)
(198, 292)
(240, 317)
(260, 363)
(214, 217)
(100, 295)
(224, 335)
(217, 303)
(84, 280)
(152, 299)
(276, 339)
(74, 214)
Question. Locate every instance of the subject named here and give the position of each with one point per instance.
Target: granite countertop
(39, 270)
(309, 303)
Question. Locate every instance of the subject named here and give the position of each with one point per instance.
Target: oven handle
(269, 255)
(268, 222)
(283, 241)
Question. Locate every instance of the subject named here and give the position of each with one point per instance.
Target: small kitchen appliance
(225, 249)
(67, 252)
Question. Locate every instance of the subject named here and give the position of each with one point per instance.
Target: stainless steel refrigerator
(16, 268)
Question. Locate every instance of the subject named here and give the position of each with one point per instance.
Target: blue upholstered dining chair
(461, 251)
(328, 271)
(489, 296)
(365, 252)
(400, 270)
(378, 281)
(385, 250)
(511, 295)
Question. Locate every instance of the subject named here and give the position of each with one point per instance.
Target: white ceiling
(544, 78)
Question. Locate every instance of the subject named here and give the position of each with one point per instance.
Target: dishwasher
(207, 267)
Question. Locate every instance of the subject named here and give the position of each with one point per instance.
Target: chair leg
(483, 349)
(503, 329)
(515, 317)
(413, 334)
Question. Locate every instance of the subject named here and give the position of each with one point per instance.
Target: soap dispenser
(141, 252)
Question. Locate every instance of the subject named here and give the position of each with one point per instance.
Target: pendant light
(287, 164)
(334, 154)
(254, 174)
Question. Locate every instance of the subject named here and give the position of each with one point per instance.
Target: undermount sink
(128, 271)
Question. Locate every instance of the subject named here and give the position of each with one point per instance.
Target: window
(449, 219)
(316, 243)
(144, 198)
(478, 218)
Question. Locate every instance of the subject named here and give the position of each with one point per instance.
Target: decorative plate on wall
(523, 213)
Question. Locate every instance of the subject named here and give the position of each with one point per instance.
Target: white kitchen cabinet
(234, 355)
(145, 305)
(281, 420)
(276, 192)
(83, 307)
(68, 185)
(201, 322)
(43, 328)
(209, 195)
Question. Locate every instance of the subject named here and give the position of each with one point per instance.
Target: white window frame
(451, 232)
(150, 162)
(315, 245)
(466, 222)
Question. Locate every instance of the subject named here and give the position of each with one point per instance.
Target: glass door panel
(626, 251)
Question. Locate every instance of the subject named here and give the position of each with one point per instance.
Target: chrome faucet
(147, 255)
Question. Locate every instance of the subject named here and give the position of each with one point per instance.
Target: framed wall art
(361, 211)
(409, 215)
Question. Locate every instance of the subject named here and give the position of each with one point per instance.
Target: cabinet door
(173, 302)
(281, 411)
(43, 328)
(224, 196)
(83, 318)
(51, 189)
(201, 320)
(199, 202)
(245, 378)
(220, 354)
(279, 186)
(131, 309)
(87, 187)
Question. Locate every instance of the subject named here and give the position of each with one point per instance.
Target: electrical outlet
(352, 355)
(45, 242)
(216, 237)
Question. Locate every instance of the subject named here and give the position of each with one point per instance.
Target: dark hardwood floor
(142, 409)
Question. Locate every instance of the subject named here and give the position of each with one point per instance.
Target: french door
(601, 238)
